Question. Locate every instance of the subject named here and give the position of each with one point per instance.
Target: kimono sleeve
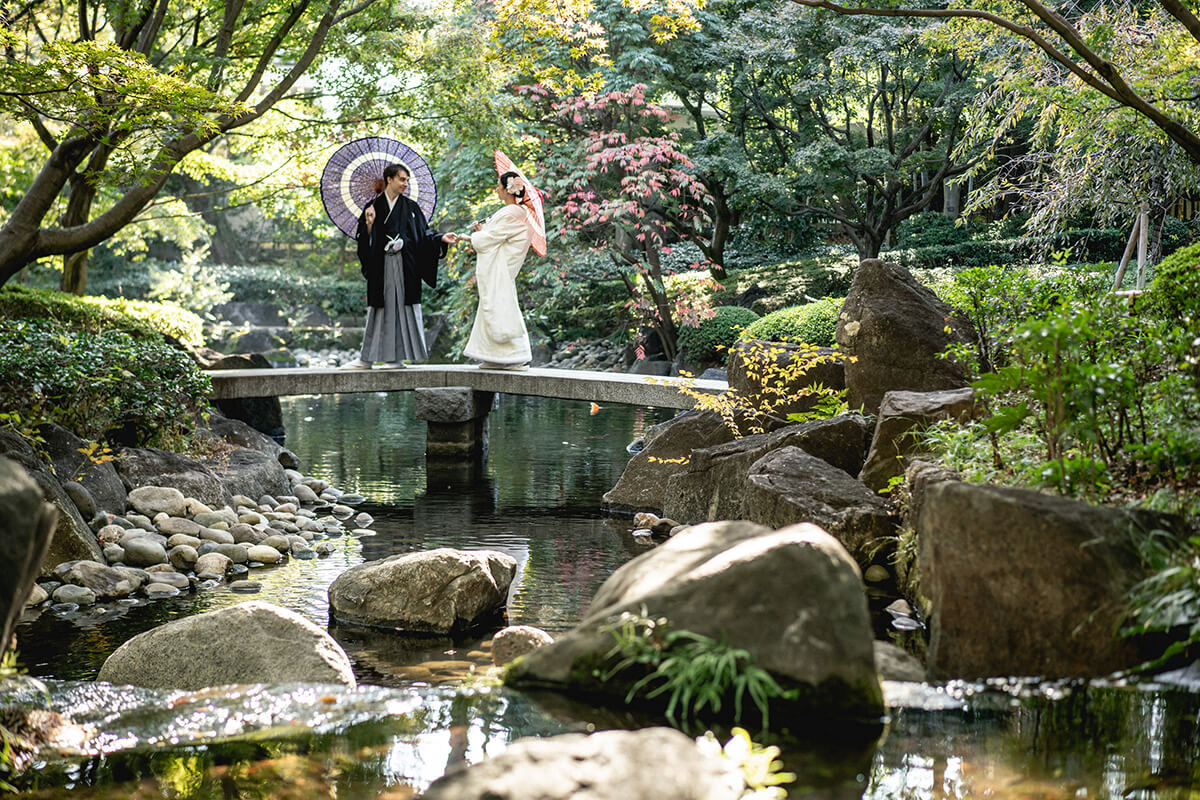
(365, 240)
(506, 225)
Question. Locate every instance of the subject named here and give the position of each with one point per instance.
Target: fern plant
(1168, 600)
(695, 673)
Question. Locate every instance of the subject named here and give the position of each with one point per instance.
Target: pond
(421, 709)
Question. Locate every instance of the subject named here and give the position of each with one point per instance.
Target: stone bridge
(454, 399)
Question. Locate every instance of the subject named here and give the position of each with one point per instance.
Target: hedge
(812, 323)
(96, 314)
(707, 342)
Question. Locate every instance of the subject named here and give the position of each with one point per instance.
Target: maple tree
(623, 187)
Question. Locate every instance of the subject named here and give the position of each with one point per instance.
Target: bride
(498, 337)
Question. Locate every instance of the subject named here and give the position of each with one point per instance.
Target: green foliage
(869, 164)
(996, 299)
(928, 229)
(1110, 394)
(285, 288)
(708, 341)
(778, 377)
(1168, 600)
(189, 283)
(812, 323)
(105, 384)
(1175, 292)
(98, 314)
(1081, 245)
(697, 674)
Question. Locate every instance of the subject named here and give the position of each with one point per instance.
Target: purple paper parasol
(348, 182)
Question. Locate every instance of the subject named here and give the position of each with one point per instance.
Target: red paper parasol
(348, 182)
(535, 216)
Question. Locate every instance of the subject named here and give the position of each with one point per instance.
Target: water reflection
(969, 741)
(280, 741)
(1053, 740)
(536, 498)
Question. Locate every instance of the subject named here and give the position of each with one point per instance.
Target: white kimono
(498, 335)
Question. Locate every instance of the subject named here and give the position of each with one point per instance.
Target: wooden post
(1133, 237)
(1143, 243)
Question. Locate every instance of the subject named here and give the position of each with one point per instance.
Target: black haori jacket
(423, 247)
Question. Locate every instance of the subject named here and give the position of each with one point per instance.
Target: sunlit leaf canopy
(567, 45)
(1083, 151)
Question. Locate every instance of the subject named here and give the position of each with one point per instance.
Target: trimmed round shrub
(708, 341)
(1175, 291)
(107, 385)
(813, 323)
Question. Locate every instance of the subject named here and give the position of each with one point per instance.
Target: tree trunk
(868, 245)
(722, 221)
(74, 277)
(951, 200)
(79, 210)
(21, 233)
(665, 323)
(22, 236)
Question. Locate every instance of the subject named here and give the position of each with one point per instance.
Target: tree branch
(268, 53)
(233, 9)
(1105, 79)
(1182, 13)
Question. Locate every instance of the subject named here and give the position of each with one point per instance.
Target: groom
(397, 251)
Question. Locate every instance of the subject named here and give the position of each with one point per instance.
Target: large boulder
(920, 476)
(893, 330)
(252, 642)
(668, 447)
(1024, 583)
(241, 434)
(901, 416)
(73, 539)
(250, 472)
(781, 377)
(26, 527)
(435, 591)
(788, 485)
(153, 467)
(100, 479)
(792, 598)
(712, 485)
(611, 765)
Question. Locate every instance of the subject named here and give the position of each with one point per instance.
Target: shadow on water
(412, 717)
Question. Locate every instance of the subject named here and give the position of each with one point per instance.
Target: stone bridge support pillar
(457, 417)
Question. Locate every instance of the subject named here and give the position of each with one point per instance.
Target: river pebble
(69, 594)
(264, 554)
